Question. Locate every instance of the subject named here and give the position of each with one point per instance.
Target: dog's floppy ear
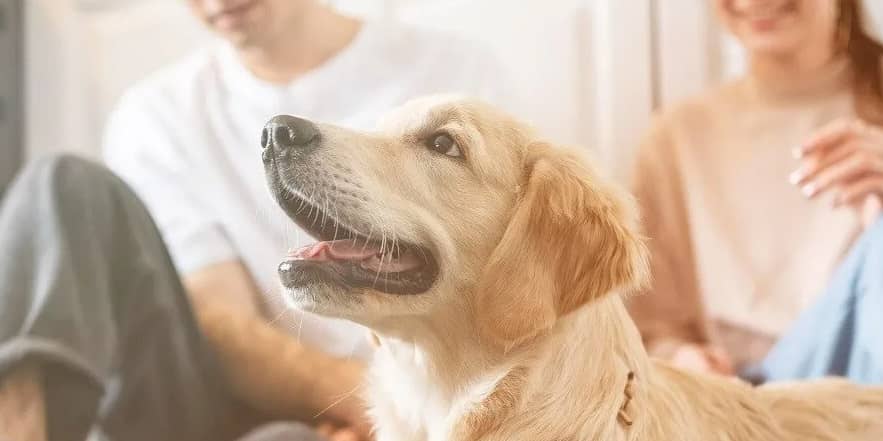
(572, 238)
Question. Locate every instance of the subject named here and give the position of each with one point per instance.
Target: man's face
(248, 22)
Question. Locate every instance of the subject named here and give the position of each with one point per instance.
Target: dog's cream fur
(525, 336)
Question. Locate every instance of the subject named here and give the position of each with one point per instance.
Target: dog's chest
(408, 405)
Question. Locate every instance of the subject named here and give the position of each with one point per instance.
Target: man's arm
(267, 368)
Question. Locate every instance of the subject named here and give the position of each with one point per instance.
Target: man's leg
(90, 300)
(842, 334)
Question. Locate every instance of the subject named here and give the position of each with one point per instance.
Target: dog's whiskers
(338, 401)
(314, 209)
(336, 216)
(324, 210)
(279, 316)
(393, 251)
(368, 238)
(380, 267)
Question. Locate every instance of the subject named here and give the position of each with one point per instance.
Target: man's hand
(267, 368)
(336, 433)
(844, 158)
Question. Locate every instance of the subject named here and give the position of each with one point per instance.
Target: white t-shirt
(188, 141)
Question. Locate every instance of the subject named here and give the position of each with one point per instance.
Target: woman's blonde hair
(865, 54)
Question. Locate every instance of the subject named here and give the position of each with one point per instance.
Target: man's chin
(242, 38)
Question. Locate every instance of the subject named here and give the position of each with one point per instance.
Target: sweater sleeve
(671, 311)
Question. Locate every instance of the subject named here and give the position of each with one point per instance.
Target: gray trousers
(89, 293)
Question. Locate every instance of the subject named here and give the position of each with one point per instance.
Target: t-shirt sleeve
(143, 144)
(672, 311)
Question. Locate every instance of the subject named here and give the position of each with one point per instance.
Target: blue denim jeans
(842, 334)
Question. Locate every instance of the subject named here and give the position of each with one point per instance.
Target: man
(95, 328)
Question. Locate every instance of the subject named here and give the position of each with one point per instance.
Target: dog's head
(451, 202)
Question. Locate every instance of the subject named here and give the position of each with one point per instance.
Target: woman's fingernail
(797, 152)
(795, 177)
(808, 190)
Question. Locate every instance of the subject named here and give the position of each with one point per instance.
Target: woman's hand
(701, 358)
(844, 158)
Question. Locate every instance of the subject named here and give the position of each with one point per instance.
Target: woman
(761, 201)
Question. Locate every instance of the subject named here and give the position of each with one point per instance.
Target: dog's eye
(444, 144)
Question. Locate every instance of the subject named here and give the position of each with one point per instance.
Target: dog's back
(827, 410)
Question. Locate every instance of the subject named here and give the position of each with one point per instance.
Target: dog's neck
(446, 349)
(603, 347)
(460, 372)
(441, 367)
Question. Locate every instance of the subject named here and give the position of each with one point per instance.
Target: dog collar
(623, 415)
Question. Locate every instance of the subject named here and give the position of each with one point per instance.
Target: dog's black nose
(286, 132)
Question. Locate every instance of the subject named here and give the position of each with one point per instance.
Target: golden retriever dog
(490, 265)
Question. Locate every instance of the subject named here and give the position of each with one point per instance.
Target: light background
(589, 71)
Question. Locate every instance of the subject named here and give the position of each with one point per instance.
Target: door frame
(624, 71)
(692, 51)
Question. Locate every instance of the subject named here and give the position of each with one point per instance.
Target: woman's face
(779, 27)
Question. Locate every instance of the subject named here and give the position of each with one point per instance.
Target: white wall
(54, 63)
(546, 51)
(78, 59)
(589, 71)
(584, 77)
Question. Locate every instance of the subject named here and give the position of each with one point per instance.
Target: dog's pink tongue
(368, 255)
(335, 250)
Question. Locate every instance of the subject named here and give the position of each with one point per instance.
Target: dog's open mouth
(345, 257)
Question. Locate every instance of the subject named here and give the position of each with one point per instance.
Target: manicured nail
(795, 177)
(809, 190)
(797, 152)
